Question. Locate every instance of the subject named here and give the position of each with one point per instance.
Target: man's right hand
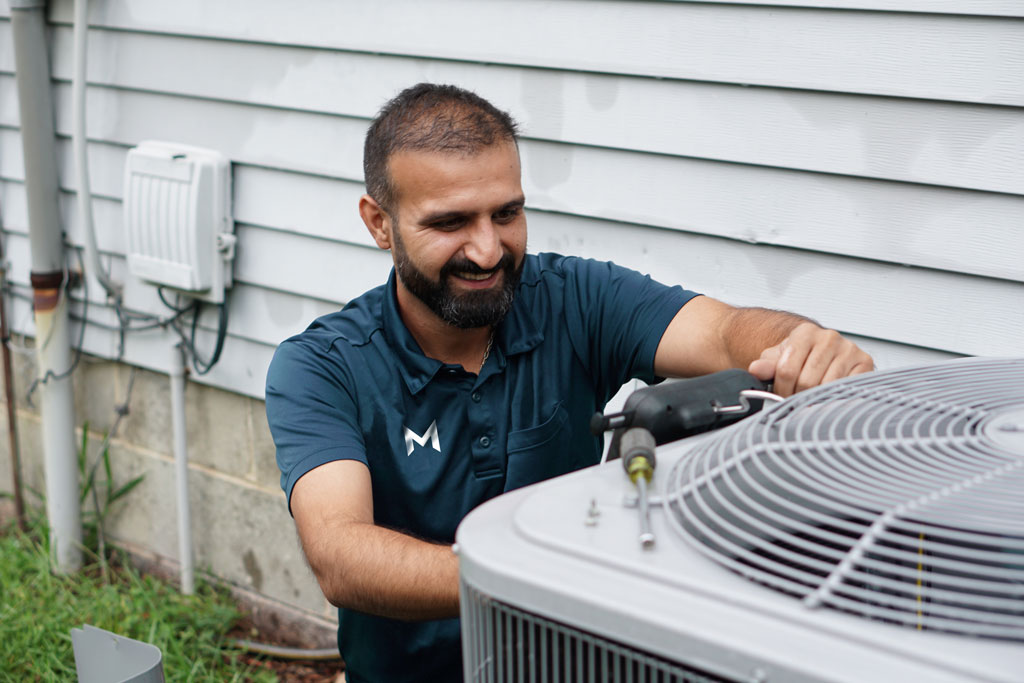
(810, 355)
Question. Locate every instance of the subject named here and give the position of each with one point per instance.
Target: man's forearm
(749, 331)
(794, 352)
(379, 571)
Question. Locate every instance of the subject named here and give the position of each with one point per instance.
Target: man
(473, 371)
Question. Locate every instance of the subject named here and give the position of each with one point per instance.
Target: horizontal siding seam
(547, 69)
(538, 139)
(909, 345)
(792, 169)
(773, 245)
(207, 98)
(753, 3)
(71, 193)
(443, 57)
(625, 223)
(844, 8)
(569, 143)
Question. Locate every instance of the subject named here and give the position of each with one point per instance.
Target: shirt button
(485, 441)
(475, 396)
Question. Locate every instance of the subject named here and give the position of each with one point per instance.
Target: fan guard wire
(881, 495)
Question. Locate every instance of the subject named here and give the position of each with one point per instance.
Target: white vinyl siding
(860, 162)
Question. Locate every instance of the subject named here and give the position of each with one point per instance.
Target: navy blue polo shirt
(439, 440)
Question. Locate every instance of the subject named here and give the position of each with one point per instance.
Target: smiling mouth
(476, 276)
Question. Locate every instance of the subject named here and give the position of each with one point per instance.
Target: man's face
(458, 232)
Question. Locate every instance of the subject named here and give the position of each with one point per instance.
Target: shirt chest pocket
(539, 452)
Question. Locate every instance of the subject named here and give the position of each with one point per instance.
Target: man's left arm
(707, 335)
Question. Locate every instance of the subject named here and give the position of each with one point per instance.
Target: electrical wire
(153, 322)
(173, 307)
(188, 341)
(128, 321)
(222, 330)
(126, 318)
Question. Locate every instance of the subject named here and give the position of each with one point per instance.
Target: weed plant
(38, 608)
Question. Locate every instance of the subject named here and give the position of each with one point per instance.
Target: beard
(475, 308)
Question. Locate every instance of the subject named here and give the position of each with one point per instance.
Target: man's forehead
(416, 155)
(426, 176)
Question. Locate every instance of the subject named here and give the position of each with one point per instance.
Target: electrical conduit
(79, 141)
(177, 376)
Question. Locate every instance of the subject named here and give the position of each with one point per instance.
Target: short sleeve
(617, 318)
(311, 410)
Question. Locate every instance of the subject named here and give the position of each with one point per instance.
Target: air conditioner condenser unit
(868, 530)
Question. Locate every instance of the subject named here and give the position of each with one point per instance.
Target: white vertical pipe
(53, 346)
(53, 352)
(177, 376)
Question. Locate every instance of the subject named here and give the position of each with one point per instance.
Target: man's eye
(506, 215)
(447, 224)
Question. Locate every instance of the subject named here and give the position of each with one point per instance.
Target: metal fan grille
(898, 496)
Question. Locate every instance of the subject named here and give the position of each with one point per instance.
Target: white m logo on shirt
(431, 433)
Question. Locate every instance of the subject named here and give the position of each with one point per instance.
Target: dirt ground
(303, 672)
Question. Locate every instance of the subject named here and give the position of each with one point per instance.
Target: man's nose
(483, 246)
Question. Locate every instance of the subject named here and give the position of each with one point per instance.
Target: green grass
(38, 610)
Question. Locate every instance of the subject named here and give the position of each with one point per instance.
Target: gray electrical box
(177, 216)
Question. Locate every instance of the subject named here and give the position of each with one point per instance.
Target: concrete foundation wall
(242, 532)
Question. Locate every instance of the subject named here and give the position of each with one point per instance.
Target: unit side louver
(533, 648)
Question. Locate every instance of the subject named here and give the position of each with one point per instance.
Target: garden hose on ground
(282, 652)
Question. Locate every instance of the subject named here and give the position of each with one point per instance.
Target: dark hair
(429, 117)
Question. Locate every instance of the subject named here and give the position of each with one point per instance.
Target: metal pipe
(38, 134)
(177, 377)
(53, 345)
(12, 415)
(56, 405)
(79, 141)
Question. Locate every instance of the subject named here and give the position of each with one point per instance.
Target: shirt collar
(517, 333)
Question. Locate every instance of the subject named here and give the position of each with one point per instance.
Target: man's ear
(377, 221)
